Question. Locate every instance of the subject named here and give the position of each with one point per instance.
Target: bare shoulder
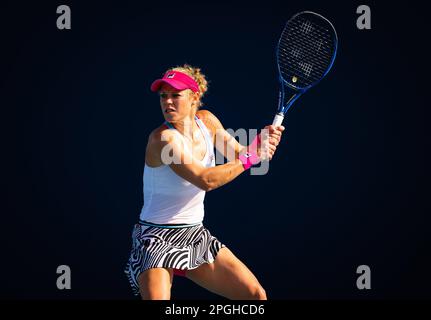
(210, 120)
(160, 136)
(156, 140)
(206, 115)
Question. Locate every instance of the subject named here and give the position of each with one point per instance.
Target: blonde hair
(197, 75)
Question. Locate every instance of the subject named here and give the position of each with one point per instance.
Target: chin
(172, 117)
(167, 116)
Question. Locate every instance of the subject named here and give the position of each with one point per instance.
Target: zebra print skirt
(181, 247)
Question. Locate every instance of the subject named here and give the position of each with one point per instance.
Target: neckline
(198, 122)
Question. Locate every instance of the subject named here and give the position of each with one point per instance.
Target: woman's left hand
(270, 139)
(275, 133)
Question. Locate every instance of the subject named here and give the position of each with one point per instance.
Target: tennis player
(169, 238)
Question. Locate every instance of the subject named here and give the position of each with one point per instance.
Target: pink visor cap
(176, 79)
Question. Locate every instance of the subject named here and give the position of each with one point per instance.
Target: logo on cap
(170, 76)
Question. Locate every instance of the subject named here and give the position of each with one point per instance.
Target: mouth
(169, 110)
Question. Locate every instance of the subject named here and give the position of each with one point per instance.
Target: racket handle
(278, 119)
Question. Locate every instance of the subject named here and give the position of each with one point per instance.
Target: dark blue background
(348, 186)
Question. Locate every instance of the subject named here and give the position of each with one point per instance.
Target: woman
(179, 168)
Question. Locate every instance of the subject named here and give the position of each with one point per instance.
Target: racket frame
(295, 91)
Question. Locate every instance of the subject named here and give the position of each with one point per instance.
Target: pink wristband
(249, 159)
(255, 143)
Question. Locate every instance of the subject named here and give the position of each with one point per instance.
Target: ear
(195, 97)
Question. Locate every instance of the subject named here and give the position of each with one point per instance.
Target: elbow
(207, 189)
(207, 180)
(207, 184)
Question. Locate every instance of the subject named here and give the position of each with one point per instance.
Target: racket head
(305, 53)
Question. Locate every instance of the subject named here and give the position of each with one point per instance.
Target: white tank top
(170, 199)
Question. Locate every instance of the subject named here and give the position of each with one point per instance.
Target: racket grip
(278, 119)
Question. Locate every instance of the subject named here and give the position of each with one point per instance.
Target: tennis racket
(305, 53)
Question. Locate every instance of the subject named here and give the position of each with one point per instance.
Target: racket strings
(291, 62)
(322, 45)
(317, 34)
(306, 49)
(299, 53)
(295, 29)
(303, 70)
(302, 59)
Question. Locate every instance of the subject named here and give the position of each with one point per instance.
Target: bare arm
(169, 145)
(229, 147)
(224, 142)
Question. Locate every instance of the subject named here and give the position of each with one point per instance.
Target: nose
(167, 100)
